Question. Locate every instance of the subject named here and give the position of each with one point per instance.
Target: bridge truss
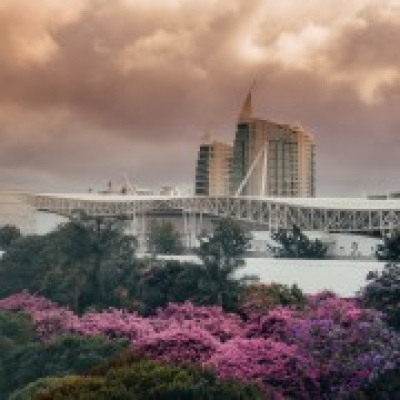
(343, 215)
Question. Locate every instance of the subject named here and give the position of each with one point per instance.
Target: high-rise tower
(213, 169)
(271, 159)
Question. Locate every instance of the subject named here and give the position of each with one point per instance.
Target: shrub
(62, 357)
(137, 378)
(41, 386)
(383, 293)
(258, 299)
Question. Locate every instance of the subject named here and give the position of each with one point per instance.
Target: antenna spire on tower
(247, 110)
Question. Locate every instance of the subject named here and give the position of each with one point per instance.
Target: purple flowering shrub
(329, 348)
(212, 319)
(181, 345)
(277, 367)
(50, 320)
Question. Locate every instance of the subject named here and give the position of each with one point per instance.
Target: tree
(295, 244)
(8, 235)
(24, 266)
(222, 255)
(171, 281)
(383, 293)
(96, 263)
(64, 356)
(164, 239)
(389, 250)
(86, 262)
(258, 299)
(133, 376)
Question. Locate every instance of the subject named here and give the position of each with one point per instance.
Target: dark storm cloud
(94, 89)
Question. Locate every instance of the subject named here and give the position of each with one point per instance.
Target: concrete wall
(340, 245)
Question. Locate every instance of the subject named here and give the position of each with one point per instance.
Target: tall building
(213, 169)
(271, 159)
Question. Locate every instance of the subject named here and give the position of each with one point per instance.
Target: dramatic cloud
(94, 89)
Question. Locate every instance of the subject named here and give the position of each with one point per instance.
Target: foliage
(389, 250)
(276, 366)
(66, 355)
(386, 387)
(221, 254)
(87, 262)
(41, 386)
(16, 329)
(383, 293)
(258, 299)
(137, 378)
(24, 266)
(8, 235)
(295, 244)
(165, 282)
(331, 346)
(164, 239)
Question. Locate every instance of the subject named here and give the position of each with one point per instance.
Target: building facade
(271, 159)
(213, 169)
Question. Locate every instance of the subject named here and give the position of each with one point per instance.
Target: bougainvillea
(182, 345)
(276, 366)
(214, 320)
(50, 319)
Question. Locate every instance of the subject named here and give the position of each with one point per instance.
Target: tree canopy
(164, 238)
(8, 235)
(389, 250)
(86, 262)
(294, 243)
(222, 254)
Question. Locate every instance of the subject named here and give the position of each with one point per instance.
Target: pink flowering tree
(275, 366)
(179, 344)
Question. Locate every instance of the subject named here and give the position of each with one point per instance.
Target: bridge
(310, 214)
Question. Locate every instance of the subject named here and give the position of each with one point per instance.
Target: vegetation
(41, 386)
(172, 282)
(164, 239)
(16, 330)
(287, 344)
(66, 355)
(295, 244)
(259, 299)
(328, 348)
(383, 289)
(84, 263)
(221, 254)
(134, 377)
(389, 250)
(383, 293)
(8, 235)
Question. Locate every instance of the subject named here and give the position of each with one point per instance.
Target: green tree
(24, 266)
(222, 255)
(173, 282)
(8, 235)
(65, 356)
(383, 293)
(295, 244)
(93, 263)
(133, 377)
(41, 386)
(259, 299)
(389, 250)
(86, 262)
(164, 238)
(16, 329)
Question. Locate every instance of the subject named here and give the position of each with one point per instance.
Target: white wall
(340, 245)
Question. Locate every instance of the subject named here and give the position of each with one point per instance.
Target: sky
(95, 90)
